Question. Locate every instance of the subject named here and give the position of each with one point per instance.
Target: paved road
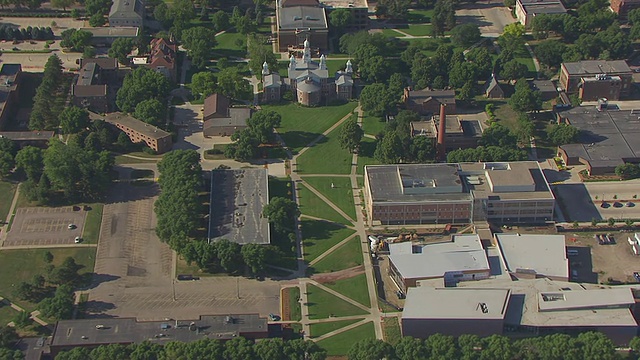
(490, 16)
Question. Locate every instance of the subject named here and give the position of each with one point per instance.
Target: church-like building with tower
(308, 80)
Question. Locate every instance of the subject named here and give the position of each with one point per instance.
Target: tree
(350, 135)
(232, 84)
(64, 4)
(371, 349)
(389, 149)
(463, 73)
(255, 257)
(139, 85)
(422, 149)
(220, 20)
(199, 42)
(371, 66)
(466, 93)
(151, 111)
(498, 135)
(22, 319)
(514, 29)
(628, 171)
(259, 50)
(66, 273)
(513, 70)
(377, 99)
(465, 35)
(280, 211)
(76, 40)
(49, 98)
(29, 160)
(561, 134)
(340, 19)
(444, 17)
(239, 348)
(409, 348)
(203, 84)
(524, 99)
(73, 119)
(97, 20)
(261, 125)
(97, 6)
(60, 306)
(7, 163)
(550, 52)
(8, 336)
(120, 48)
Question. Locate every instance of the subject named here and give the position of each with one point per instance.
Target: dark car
(400, 295)
(617, 205)
(636, 275)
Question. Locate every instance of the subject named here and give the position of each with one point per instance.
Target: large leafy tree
(465, 35)
(120, 48)
(377, 99)
(561, 134)
(232, 84)
(199, 42)
(524, 99)
(60, 306)
(280, 211)
(151, 111)
(30, 160)
(139, 85)
(628, 171)
(203, 84)
(259, 51)
(350, 135)
(49, 99)
(73, 119)
(371, 349)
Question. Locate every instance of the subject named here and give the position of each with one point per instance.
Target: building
(403, 194)
(459, 133)
(90, 89)
(622, 7)
(526, 10)
(235, 210)
(298, 23)
(163, 58)
(10, 79)
(461, 259)
(531, 256)
(524, 308)
(139, 131)
(127, 13)
(69, 334)
(104, 36)
(607, 138)
(493, 89)
(359, 10)
(427, 102)
(594, 79)
(452, 311)
(546, 88)
(272, 85)
(28, 138)
(222, 120)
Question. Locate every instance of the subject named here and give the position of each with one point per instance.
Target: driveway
(490, 16)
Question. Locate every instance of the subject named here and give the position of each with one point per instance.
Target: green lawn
(22, 265)
(334, 65)
(336, 189)
(7, 190)
(312, 205)
(120, 159)
(340, 344)
(228, 45)
(391, 330)
(295, 313)
(346, 256)
(322, 305)
(316, 159)
(93, 221)
(300, 125)
(373, 125)
(418, 30)
(320, 329)
(7, 313)
(365, 156)
(505, 115)
(354, 287)
(391, 33)
(278, 187)
(140, 174)
(419, 16)
(319, 236)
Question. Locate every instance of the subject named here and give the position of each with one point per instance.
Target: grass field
(354, 287)
(322, 305)
(314, 160)
(295, 313)
(346, 256)
(121, 159)
(320, 329)
(336, 189)
(365, 156)
(228, 45)
(391, 33)
(300, 125)
(373, 125)
(24, 264)
(340, 344)
(278, 187)
(319, 236)
(7, 190)
(419, 16)
(92, 223)
(7, 313)
(418, 30)
(312, 205)
(391, 330)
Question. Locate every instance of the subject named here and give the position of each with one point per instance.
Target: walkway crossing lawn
(336, 189)
(300, 125)
(92, 224)
(231, 44)
(312, 205)
(21, 265)
(365, 156)
(340, 344)
(320, 236)
(7, 190)
(354, 287)
(373, 125)
(391, 33)
(326, 156)
(323, 305)
(344, 257)
(391, 330)
(418, 30)
(320, 329)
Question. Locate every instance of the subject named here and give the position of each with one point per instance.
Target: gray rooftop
(88, 74)
(550, 7)
(237, 117)
(606, 137)
(108, 32)
(455, 303)
(545, 254)
(133, 9)
(237, 200)
(593, 67)
(443, 96)
(543, 85)
(8, 75)
(135, 124)
(462, 253)
(272, 80)
(301, 17)
(308, 86)
(69, 333)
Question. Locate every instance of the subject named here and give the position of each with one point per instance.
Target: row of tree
(50, 97)
(29, 33)
(206, 349)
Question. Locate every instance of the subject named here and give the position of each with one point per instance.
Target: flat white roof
(455, 303)
(575, 300)
(463, 253)
(546, 254)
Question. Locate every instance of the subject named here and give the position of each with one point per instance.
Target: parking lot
(491, 16)
(583, 201)
(135, 276)
(44, 226)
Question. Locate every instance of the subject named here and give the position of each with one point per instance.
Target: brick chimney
(441, 154)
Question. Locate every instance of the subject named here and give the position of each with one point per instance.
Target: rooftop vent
(483, 307)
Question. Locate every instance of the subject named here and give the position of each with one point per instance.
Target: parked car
(400, 295)
(71, 226)
(636, 276)
(630, 204)
(77, 240)
(612, 240)
(274, 317)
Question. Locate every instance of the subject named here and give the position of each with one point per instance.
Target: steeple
(349, 69)
(292, 63)
(323, 62)
(265, 69)
(306, 57)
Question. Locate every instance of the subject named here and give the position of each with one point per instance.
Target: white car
(77, 240)
(71, 226)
